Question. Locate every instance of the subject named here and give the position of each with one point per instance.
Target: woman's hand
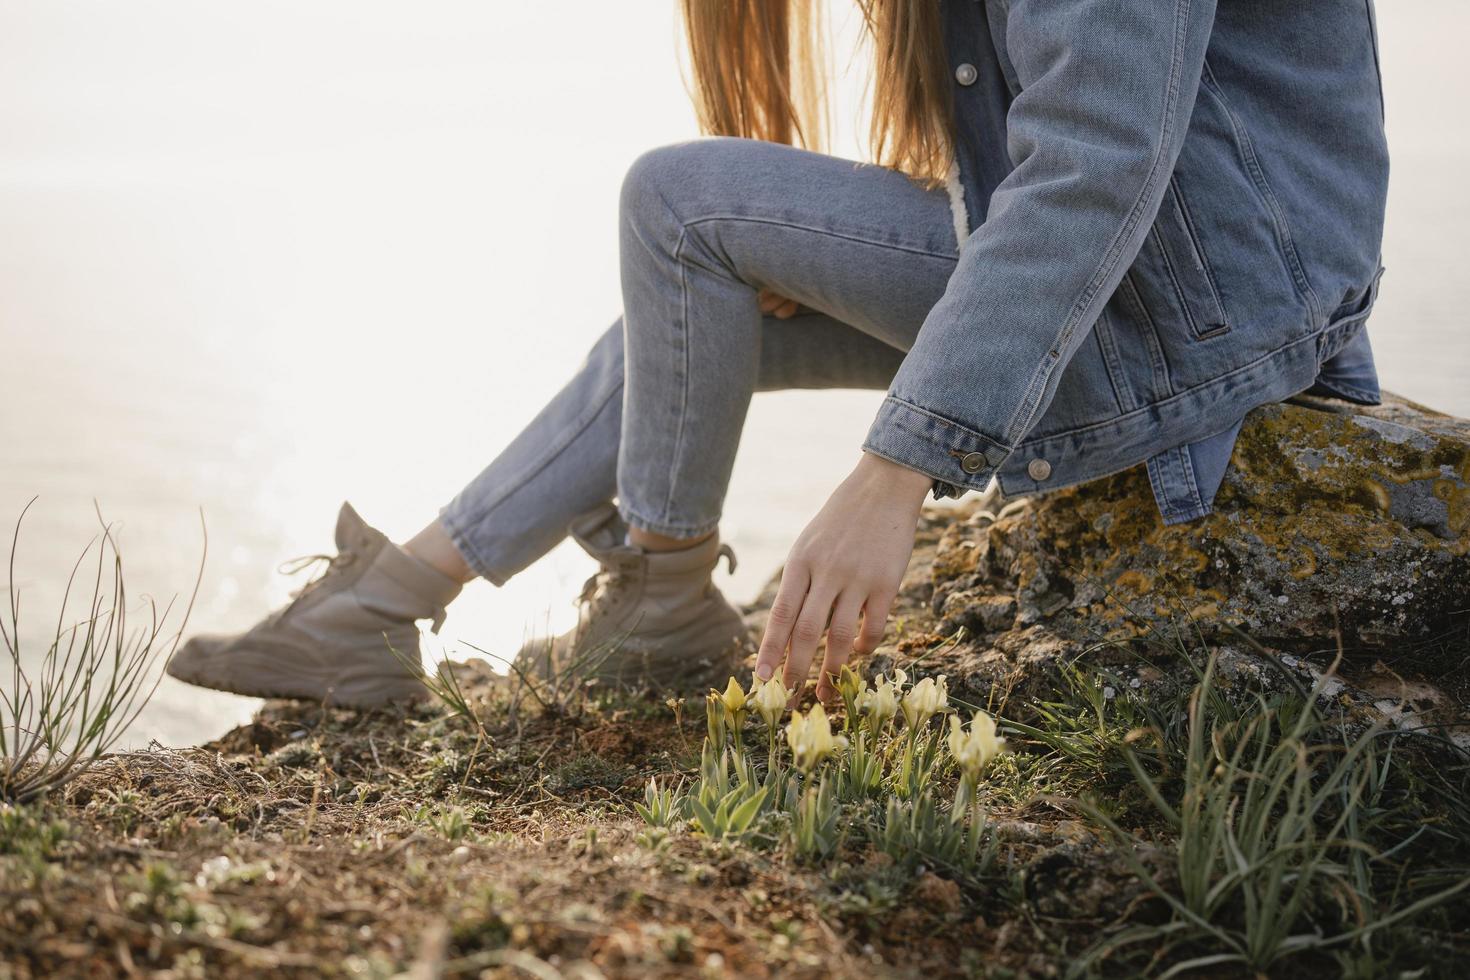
(774, 304)
(846, 565)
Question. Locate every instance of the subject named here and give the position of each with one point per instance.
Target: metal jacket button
(973, 463)
(1038, 469)
(966, 74)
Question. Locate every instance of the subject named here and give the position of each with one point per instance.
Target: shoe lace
(600, 589)
(330, 565)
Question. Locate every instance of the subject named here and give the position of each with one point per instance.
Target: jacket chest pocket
(1175, 262)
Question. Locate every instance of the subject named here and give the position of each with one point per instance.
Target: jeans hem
(666, 528)
(464, 544)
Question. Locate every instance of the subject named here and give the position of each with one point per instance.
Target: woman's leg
(704, 225)
(565, 462)
(812, 350)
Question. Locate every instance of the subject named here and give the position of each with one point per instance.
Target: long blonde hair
(759, 72)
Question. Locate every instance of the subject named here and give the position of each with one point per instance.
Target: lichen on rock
(1324, 517)
(1336, 525)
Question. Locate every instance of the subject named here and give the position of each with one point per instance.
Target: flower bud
(770, 700)
(881, 703)
(811, 739)
(924, 700)
(850, 684)
(734, 698)
(973, 748)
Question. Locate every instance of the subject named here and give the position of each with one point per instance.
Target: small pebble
(1109, 693)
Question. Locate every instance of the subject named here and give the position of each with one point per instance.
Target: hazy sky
(459, 151)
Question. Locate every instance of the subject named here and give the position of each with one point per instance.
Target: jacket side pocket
(1188, 268)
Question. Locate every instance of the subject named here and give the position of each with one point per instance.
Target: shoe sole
(305, 683)
(634, 670)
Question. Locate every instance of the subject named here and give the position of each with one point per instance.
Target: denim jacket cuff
(958, 458)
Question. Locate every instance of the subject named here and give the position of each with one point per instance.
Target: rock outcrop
(1336, 526)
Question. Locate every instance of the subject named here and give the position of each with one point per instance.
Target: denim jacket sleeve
(1106, 90)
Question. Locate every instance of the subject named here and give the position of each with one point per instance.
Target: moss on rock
(1335, 524)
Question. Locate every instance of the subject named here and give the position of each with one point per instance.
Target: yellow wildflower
(811, 739)
(972, 748)
(925, 700)
(770, 701)
(734, 698)
(850, 684)
(881, 703)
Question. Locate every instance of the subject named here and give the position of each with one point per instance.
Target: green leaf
(705, 818)
(745, 814)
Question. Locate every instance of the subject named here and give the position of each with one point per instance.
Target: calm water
(261, 262)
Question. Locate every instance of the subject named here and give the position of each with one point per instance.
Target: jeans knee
(659, 181)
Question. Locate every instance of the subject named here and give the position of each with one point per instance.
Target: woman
(1100, 232)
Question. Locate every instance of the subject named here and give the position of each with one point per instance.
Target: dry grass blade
(443, 683)
(94, 678)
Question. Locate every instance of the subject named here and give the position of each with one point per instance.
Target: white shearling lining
(957, 209)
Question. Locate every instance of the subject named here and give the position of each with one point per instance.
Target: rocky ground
(424, 842)
(1336, 526)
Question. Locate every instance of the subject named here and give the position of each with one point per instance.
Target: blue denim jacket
(1171, 212)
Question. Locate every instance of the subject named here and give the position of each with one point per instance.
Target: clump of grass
(585, 771)
(450, 822)
(29, 832)
(661, 806)
(1272, 857)
(1084, 724)
(444, 687)
(560, 681)
(91, 683)
(557, 688)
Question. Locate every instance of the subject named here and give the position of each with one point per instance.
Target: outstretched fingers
(800, 616)
(875, 622)
(795, 579)
(811, 623)
(842, 634)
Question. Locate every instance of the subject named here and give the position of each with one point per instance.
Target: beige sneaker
(329, 643)
(647, 618)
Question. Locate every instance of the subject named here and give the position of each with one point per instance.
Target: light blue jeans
(653, 418)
